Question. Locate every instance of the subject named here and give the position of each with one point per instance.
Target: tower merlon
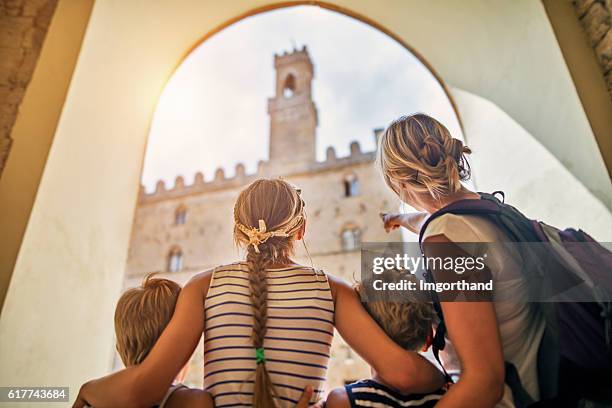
(240, 170)
(160, 186)
(330, 153)
(219, 174)
(198, 180)
(291, 58)
(179, 183)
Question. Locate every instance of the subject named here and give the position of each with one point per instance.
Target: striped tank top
(370, 393)
(297, 344)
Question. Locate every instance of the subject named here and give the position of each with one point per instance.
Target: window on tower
(175, 260)
(289, 86)
(351, 238)
(351, 185)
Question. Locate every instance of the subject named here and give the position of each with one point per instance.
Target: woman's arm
(145, 384)
(404, 370)
(473, 330)
(412, 221)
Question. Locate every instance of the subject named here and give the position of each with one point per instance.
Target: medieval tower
(293, 114)
(186, 229)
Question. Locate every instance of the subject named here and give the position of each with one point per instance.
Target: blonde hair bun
(419, 151)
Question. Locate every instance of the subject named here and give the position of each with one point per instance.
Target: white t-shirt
(521, 325)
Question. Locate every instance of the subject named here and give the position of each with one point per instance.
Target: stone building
(596, 19)
(188, 228)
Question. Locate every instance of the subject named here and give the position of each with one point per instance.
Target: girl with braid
(267, 322)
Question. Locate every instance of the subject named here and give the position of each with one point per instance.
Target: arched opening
(289, 86)
(182, 101)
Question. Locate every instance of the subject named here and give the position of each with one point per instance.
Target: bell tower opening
(293, 114)
(289, 88)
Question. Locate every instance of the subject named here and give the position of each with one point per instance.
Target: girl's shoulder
(203, 280)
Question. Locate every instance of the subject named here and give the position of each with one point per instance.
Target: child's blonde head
(406, 323)
(141, 315)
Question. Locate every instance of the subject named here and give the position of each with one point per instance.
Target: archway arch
(411, 65)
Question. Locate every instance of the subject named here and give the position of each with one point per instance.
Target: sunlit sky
(213, 111)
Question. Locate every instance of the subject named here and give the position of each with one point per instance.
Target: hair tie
(261, 234)
(260, 357)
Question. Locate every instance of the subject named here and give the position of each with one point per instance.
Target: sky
(213, 110)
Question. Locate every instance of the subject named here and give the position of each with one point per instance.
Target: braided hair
(276, 207)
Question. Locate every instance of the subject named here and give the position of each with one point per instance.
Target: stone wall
(596, 19)
(206, 240)
(23, 26)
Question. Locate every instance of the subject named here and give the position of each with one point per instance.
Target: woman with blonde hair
(425, 166)
(267, 322)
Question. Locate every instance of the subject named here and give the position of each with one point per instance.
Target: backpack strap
(439, 341)
(488, 205)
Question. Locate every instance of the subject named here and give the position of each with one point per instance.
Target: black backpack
(580, 332)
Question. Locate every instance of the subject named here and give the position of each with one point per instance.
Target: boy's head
(141, 315)
(406, 323)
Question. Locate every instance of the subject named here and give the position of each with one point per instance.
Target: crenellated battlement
(291, 57)
(220, 181)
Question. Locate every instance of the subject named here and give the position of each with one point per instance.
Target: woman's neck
(463, 194)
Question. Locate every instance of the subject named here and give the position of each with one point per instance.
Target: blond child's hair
(407, 323)
(267, 216)
(141, 316)
(420, 152)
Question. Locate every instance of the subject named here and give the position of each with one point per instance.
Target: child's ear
(300, 234)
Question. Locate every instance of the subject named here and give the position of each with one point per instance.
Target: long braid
(267, 215)
(264, 392)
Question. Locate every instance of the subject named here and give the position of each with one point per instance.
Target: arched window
(175, 260)
(289, 86)
(351, 238)
(351, 185)
(180, 215)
